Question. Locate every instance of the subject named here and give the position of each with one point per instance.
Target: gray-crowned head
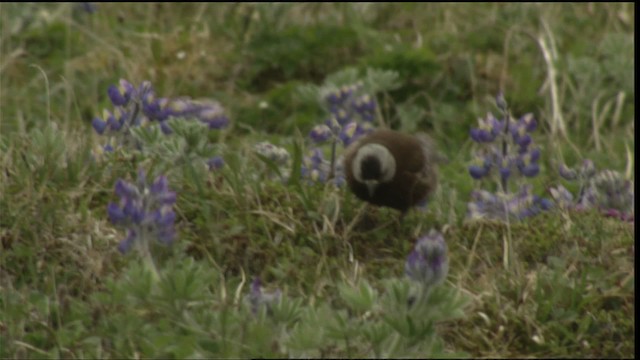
(373, 164)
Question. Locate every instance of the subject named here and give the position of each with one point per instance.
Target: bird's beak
(371, 186)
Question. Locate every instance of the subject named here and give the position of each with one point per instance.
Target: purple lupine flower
(505, 172)
(528, 168)
(280, 157)
(99, 125)
(562, 196)
(348, 111)
(212, 114)
(215, 163)
(144, 210)
(478, 172)
(350, 117)
(343, 116)
(500, 206)
(316, 169)
(605, 190)
(365, 106)
(348, 133)
(153, 109)
(427, 264)
(276, 154)
(333, 124)
(612, 194)
(508, 146)
(567, 173)
(121, 94)
(258, 297)
(320, 133)
(528, 121)
(481, 135)
(134, 107)
(125, 245)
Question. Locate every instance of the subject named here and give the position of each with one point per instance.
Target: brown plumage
(392, 169)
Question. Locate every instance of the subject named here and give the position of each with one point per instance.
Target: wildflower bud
(494, 125)
(272, 152)
(530, 170)
(588, 169)
(342, 117)
(98, 125)
(144, 210)
(213, 114)
(126, 244)
(481, 135)
(528, 122)
(545, 203)
(333, 98)
(534, 155)
(117, 98)
(345, 91)
(524, 140)
(562, 196)
(427, 264)
(161, 184)
(365, 106)
(501, 102)
(120, 95)
(116, 120)
(320, 133)
(333, 124)
(116, 214)
(505, 172)
(567, 173)
(348, 132)
(215, 163)
(125, 190)
(478, 172)
(181, 107)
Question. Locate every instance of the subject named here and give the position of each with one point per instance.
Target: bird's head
(372, 165)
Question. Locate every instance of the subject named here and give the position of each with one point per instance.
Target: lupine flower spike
(351, 116)
(506, 151)
(279, 155)
(145, 212)
(140, 106)
(427, 265)
(606, 191)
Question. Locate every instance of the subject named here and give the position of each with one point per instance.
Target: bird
(392, 169)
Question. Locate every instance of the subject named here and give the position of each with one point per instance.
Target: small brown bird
(392, 169)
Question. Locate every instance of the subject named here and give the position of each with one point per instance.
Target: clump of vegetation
(178, 227)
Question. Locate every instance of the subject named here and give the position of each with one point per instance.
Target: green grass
(566, 290)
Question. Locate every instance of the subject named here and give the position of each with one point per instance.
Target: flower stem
(333, 159)
(505, 146)
(151, 266)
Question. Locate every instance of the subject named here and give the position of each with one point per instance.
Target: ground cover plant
(172, 182)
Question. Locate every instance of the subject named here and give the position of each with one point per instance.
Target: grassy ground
(566, 290)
